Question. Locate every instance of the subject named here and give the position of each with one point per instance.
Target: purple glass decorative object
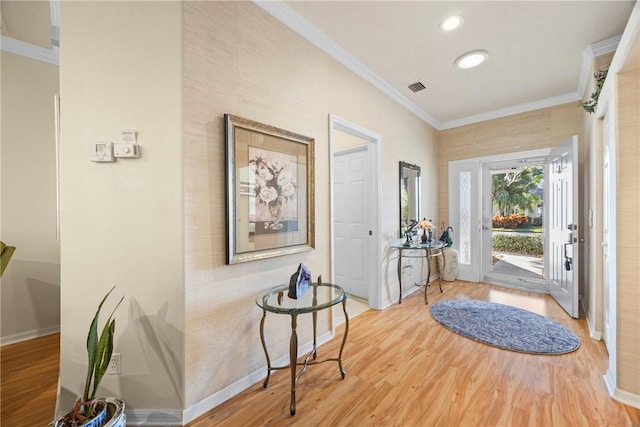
(299, 282)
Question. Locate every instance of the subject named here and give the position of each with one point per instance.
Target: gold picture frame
(270, 191)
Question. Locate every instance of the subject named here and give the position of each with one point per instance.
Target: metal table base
(311, 358)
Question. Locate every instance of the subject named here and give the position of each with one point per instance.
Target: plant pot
(111, 414)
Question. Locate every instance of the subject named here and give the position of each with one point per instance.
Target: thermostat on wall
(124, 149)
(102, 152)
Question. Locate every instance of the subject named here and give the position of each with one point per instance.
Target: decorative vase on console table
(426, 226)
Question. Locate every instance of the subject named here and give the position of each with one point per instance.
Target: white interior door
(351, 220)
(562, 225)
(344, 135)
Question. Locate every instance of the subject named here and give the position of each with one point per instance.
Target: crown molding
(588, 56)
(516, 109)
(627, 40)
(586, 69)
(29, 50)
(304, 28)
(54, 8)
(630, 34)
(606, 46)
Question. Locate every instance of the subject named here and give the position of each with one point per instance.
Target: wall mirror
(409, 195)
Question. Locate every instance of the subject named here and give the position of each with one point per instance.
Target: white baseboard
(158, 418)
(627, 398)
(207, 404)
(596, 335)
(610, 382)
(621, 396)
(27, 335)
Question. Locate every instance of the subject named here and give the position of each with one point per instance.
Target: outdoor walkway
(521, 265)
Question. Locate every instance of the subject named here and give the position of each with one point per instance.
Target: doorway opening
(355, 215)
(515, 239)
(471, 213)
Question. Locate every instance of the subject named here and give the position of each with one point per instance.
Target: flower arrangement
(590, 105)
(274, 183)
(426, 225)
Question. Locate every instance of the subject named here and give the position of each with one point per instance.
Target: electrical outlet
(115, 366)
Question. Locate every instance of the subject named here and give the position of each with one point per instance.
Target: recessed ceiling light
(451, 23)
(471, 59)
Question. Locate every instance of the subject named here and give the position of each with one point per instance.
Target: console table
(419, 250)
(318, 297)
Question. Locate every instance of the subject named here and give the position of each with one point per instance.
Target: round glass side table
(318, 297)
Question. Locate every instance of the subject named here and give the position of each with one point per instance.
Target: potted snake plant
(90, 411)
(6, 252)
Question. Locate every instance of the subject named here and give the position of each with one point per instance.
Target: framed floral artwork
(270, 189)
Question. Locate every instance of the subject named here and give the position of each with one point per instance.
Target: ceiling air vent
(417, 86)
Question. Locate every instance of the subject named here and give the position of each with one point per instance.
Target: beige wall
(30, 291)
(188, 317)
(121, 68)
(188, 330)
(242, 61)
(544, 128)
(628, 228)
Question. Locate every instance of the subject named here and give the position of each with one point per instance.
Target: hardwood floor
(29, 374)
(405, 369)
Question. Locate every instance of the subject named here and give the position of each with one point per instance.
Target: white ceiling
(538, 50)
(30, 28)
(28, 21)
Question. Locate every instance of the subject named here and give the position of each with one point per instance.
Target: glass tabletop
(400, 244)
(317, 297)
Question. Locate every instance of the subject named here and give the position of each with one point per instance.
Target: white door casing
(606, 208)
(609, 243)
(486, 222)
(562, 219)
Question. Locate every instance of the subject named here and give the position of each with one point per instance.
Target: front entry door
(562, 225)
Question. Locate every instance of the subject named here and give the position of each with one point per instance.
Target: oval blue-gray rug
(505, 327)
